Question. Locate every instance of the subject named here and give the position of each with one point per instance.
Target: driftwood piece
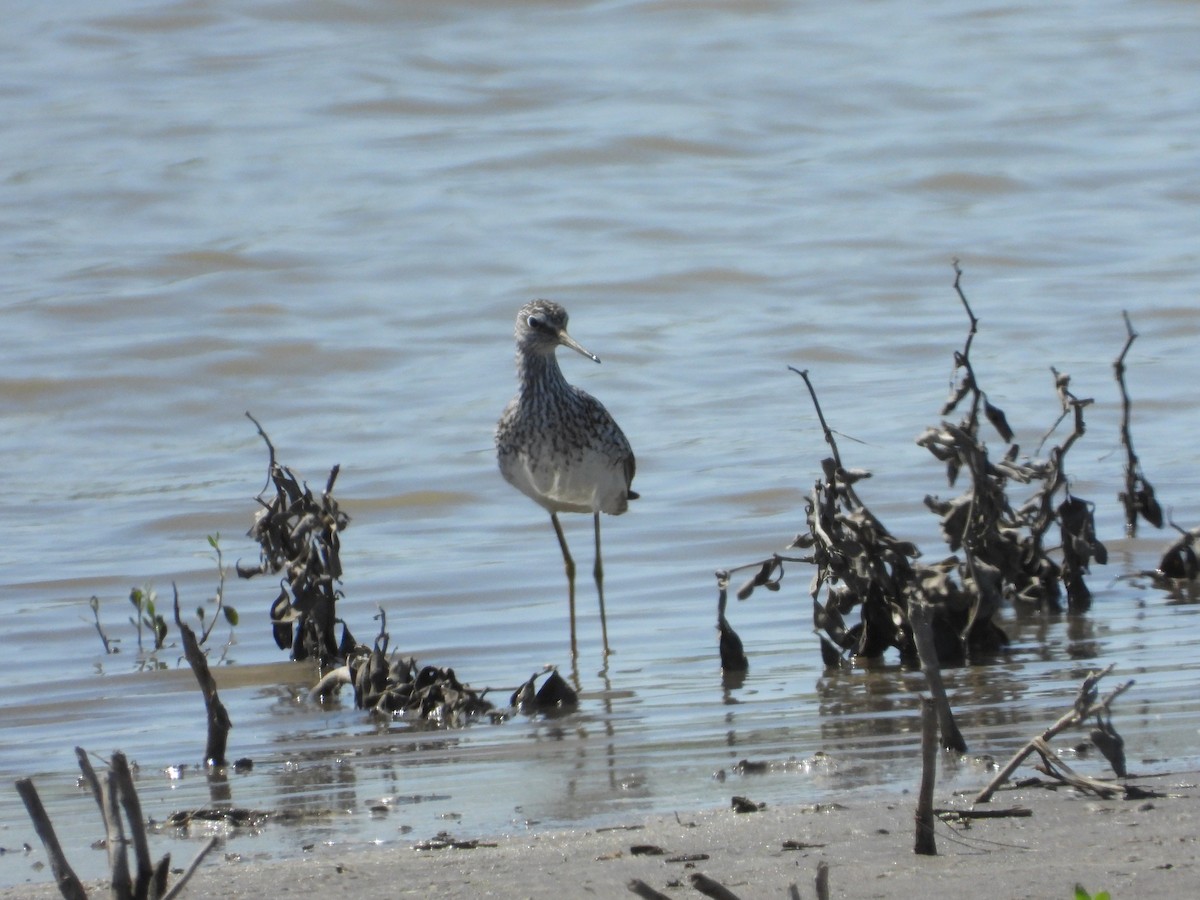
(925, 842)
(218, 718)
(1012, 812)
(68, 882)
(1085, 707)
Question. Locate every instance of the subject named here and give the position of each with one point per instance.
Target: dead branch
(1012, 812)
(1086, 706)
(177, 887)
(217, 716)
(68, 882)
(1053, 765)
(1138, 497)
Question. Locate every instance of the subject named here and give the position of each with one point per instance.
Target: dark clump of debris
(399, 688)
(300, 535)
(1000, 548)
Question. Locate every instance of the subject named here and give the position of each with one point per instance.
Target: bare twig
(1138, 497)
(1085, 707)
(803, 373)
(177, 887)
(270, 450)
(1053, 765)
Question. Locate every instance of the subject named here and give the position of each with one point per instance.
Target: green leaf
(200, 613)
(231, 615)
(1081, 894)
(214, 539)
(136, 597)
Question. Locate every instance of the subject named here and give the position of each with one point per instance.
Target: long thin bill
(567, 341)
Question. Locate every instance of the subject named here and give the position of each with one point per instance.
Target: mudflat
(1143, 847)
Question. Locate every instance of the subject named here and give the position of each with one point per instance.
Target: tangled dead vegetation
(1033, 549)
(299, 535)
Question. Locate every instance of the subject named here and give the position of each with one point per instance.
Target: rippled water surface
(328, 214)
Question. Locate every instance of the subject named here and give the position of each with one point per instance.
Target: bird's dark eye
(537, 323)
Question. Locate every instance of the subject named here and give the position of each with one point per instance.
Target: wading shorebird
(558, 445)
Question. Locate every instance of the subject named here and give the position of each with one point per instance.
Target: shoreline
(1128, 847)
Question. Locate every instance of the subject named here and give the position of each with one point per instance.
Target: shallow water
(328, 215)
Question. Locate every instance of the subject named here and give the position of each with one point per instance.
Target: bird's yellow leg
(569, 565)
(598, 572)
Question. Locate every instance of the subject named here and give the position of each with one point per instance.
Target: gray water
(328, 214)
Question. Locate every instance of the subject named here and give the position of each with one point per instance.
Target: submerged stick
(925, 842)
(68, 882)
(218, 718)
(918, 616)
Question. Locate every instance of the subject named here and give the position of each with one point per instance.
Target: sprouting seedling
(222, 610)
(147, 617)
(109, 643)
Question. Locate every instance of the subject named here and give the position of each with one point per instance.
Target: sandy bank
(1131, 848)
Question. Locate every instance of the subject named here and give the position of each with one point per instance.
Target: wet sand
(1130, 848)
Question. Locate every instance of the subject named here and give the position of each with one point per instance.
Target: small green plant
(221, 610)
(148, 621)
(1081, 894)
(110, 645)
(147, 617)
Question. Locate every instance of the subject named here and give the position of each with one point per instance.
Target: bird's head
(542, 328)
